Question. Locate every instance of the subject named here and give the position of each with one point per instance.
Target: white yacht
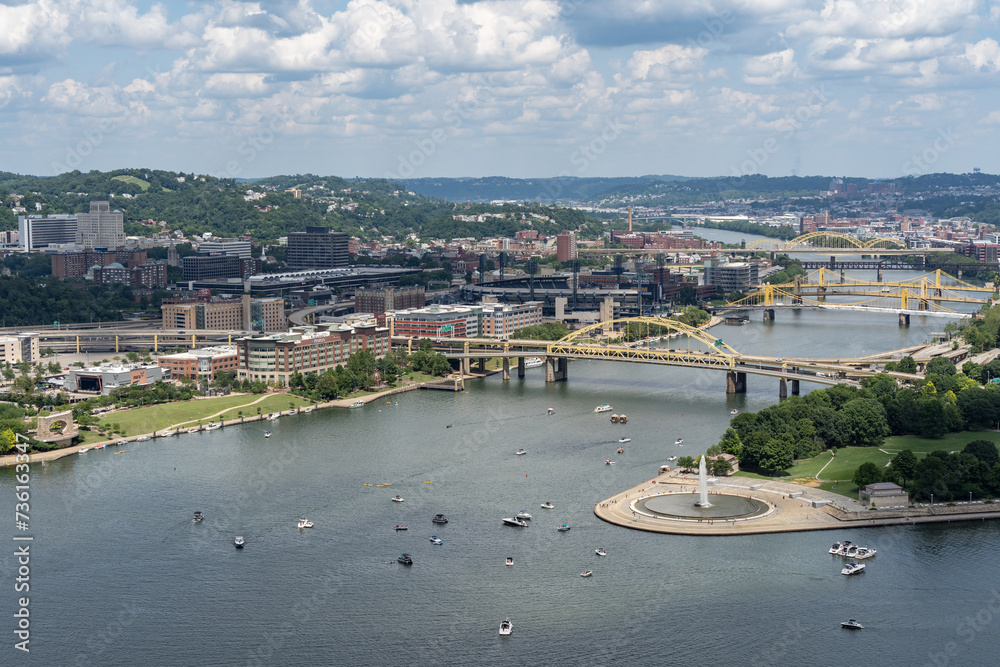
(436, 541)
(238, 542)
(563, 527)
(510, 561)
(305, 523)
(397, 499)
(521, 452)
(734, 412)
(600, 552)
(267, 434)
(852, 625)
(547, 506)
(586, 573)
(678, 441)
(853, 568)
(358, 404)
(142, 438)
(83, 450)
(551, 411)
(514, 521)
(603, 407)
(523, 515)
(624, 440)
(838, 548)
(671, 458)
(609, 462)
(533, 362)
(864, 552)
(506, 627)
(213, 426)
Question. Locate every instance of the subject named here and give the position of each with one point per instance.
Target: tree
(984, 450)
(721, 466)
(686, 462)
(863, 421)
(686, 296)
(941, 366)
(730, 443)
(904, 465)
(906, 365)
(867, 473)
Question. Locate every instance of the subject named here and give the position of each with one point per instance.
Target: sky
(519, 88)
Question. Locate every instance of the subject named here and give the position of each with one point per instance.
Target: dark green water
(121, 575)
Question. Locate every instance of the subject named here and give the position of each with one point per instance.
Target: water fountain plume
(702, 484)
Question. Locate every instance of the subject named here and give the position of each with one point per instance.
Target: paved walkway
(792, 509)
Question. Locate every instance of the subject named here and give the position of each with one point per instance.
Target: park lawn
(158, 417)
(135, 180)
(836, 476)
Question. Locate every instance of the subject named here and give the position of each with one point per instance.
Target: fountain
(702, 485)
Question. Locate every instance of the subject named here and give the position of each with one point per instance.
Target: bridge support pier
(555, 368)
(736, 382)
(482, 365)
(923, 305)
(769, 314)
(841, 276)
(520, 368)
(904, 319)
(506, 368)
(466, 366)
(878, 277)
(795, 387)
(782, 388)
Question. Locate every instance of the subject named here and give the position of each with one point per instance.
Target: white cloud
(671, 63)
(769, 69)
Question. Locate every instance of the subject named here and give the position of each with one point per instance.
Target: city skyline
(520, 88)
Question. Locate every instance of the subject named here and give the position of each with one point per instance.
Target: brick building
(566, 246)
(435, 321)
(244, 314)
(381, 299)
(201, 364)
(68, 265)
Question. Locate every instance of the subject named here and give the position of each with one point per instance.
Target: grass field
(837, 470)
(133, 180)
(159, 417)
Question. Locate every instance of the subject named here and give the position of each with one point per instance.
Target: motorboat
(397, 499)
(838, 548)
(142, 438)
(551, 411)
(600, 552)
(510, 561)
(436, 541)
(563, 527)
(506, 627)
(169, 431)
(514, 521)
(678, 441)
(852, 625)
(212, 426)
(586, 573)
(547, 506)
(603, 407)
(671, 458)
(734, 412)
(851, 551)
(308, 410)
(194, 429)
(864, 552)
(853, 567)
(358, 404)
(405, 560)
(609, 462)
(198, 516)
(521, 452)
(267, 434)
(622, 419)
(624, 440)
(274, 416)
(401, 527)
(533, 362)
(523, 515)
(83, 450)
(621, 450)
(439, 518)
(238, 542)
(305, 523)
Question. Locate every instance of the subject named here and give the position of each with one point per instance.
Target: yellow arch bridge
(695, 349)
(821, 241)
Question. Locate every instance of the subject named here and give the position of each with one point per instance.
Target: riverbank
(793, 508)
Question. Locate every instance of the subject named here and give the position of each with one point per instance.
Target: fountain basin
(683, 506)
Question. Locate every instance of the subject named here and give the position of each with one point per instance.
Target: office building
(100, 227)
(244, 314)
(36, 232)
(238, 247)
(19, 347)
(201, 364)
(68, 265)
(381, 299)
(307, 349)
(317, 248)
(218, 266)
(566, 246)
(731, 276)
(500, 320)
(435, 321)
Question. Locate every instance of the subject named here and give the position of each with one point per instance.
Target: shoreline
(793, 509)
(341, 403)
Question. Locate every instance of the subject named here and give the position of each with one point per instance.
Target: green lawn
(839, 468)
(134, 180)
(159, 417)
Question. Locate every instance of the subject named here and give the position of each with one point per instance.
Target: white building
(18, 348)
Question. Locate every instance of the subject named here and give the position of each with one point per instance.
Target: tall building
(566, 246)
(201, 364)
(731, 276)
(225, 314)
(435, 321)
(67, 265)
(381, 299)
(36, 232)
(101, 227)
(19, 347)
(317, 248)
(212, 267)
(238, 247)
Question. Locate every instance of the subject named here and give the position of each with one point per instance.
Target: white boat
(609, 462)
(267, 434)
(852, 625)
(274, 416)
(506, 627)
(358, 404)
(397, 499)
(837, 548)
(401, 527)
(678, 441)
(563, 527)
(734, 412)
(671, 458)
(533, 362)
(169, 431)
(621, 450)
(514, 521)
(194, 429)
(213, 426)
(600, 552)
(547, 506)
(83, 450)
(142, 438)
(864, 552)
(586, 573)
(551, 411)
(309, 409)
(521, 452)
(850, 551)
(510, 561)
(523, 515)
(853, 568)
(238, 542)
(603, 407)
(436, 541)
(624, 440)
(305, 523)
(198, 517)
(439, 518)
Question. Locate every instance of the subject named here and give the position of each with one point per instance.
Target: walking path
(793, 508)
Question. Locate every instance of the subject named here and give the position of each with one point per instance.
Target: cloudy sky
(411, 88)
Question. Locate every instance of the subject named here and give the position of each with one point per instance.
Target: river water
(120, 575)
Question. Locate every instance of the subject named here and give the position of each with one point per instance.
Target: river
(122, 576)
